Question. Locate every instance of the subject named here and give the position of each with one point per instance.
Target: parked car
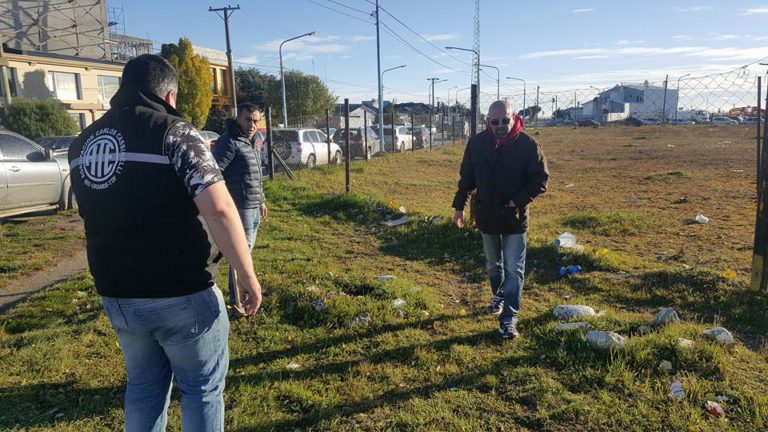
(749, 120)
(723, 121)
(32, 178)
(305, 147)
(633, 121)
(361, 146)
(588, 123)
(403, 139)
(651, 121)
(421, 137)
(210, 137)
(57, 144)
(681, 122)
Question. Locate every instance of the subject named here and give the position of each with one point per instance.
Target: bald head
(500, 113)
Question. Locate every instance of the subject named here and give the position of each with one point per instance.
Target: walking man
(239, 159)
(155, 208)
(506, 169)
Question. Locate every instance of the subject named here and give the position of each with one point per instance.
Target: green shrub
(34, 119)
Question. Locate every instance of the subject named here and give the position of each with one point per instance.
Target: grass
(435, 363)
(669, 176)
(28, 244)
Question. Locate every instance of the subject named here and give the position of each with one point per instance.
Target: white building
(641, 101)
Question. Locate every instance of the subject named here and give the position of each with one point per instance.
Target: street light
(282, 76)
(449, 96)
(524, 107)
(498, 78)
(477, 119)
(381, 104)
(678, 94)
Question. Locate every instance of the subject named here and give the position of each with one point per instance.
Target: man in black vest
(506, 169)
(239, 159)
(155, 207)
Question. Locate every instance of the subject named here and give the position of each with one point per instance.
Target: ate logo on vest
(102, 158)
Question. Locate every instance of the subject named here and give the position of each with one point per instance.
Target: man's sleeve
(191, 158)
(538, 175)
(224, 152)
(466, 180)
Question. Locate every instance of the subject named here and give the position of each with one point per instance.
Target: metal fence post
(365, 134)
(392, 126)
(328, 134)
(346, 150)
(270, 161)
(413, 137)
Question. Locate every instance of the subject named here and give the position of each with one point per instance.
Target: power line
(350, 7)
(398, 37)
(339, 12)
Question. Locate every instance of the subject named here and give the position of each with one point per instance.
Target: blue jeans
(162, 338)
(505, 264)
(251, 219)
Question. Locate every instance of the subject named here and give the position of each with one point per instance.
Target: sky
(555, 44)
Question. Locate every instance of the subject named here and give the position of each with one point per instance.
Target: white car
(305, 147)
(403, 138)
(720, 121)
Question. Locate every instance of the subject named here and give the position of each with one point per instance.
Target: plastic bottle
(676, 390)
(570, 270)
(565, 240)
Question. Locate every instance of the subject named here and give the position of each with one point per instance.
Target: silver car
(305, 147)
(32, 178)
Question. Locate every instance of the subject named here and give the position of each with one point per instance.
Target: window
(15, 148)
(65, 85)
(222, 73)
(214, 80)
(108, 86)
(13, 80)
(306, 137)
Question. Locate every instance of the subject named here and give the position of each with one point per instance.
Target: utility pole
(431, 105)
(228, 13)
(381, 90)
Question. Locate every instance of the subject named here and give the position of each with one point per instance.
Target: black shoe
(508, 330)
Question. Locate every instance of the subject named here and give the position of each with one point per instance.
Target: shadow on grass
(48, 404)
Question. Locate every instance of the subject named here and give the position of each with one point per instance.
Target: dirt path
(21, 289)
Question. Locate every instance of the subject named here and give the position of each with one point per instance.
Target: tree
(195, 81)
(217, 119)
(306, 96)
(254, 86)
(35, 119)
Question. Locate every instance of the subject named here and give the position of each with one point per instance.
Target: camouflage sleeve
(191, 158)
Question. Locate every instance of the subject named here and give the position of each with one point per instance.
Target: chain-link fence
(321, 140)
(719, 99)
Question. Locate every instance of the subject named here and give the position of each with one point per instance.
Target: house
(83, 85)
(358, 115)
(221, 86)
(641, 101)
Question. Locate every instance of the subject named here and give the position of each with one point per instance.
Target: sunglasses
(505, 121)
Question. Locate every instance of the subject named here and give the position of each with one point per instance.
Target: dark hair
(247, 106)
(153, 73)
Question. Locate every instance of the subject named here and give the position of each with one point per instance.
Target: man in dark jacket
(143, 178)
(239, 159)
(506, 169)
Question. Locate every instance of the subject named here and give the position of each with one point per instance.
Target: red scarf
(511, 136)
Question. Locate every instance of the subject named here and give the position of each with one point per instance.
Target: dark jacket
(240, 163)
(516, 170)
(143, 232)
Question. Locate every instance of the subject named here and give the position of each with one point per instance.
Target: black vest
(144, 234)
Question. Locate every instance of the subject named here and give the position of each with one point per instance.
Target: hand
(458, 218)
(250, 295)
(264, 211)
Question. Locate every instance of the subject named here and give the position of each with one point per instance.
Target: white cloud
(590, 57)
(442, 71)
(583, 10)
(756, 11)
(725, 37)
(692, 51)
(628, 42)
(692, 8)
(305, 48)
(440, 37)
(682, 37)
(362, 38)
